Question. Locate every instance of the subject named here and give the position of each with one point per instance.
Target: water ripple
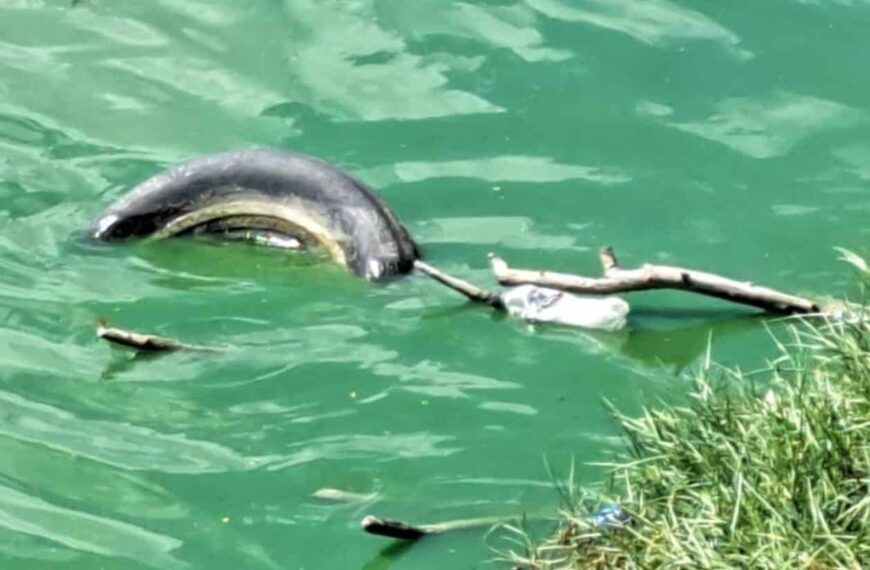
(651, 21)
(509, 27)
(517, 232)
(431, 379)
(405, 86)
(770, 126)
(508, 169)
(509, 407)
(59, 474)
(367, 447)
(81, 531)
(119, 444)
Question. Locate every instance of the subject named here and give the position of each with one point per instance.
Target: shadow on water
(124, 360)
(386, 557)
(447, 312)
(184, 262)
(678, 347)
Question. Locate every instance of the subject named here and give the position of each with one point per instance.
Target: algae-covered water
(729, 136)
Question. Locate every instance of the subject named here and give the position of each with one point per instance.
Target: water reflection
(403, 86)
(769, 126)
(651, 21)
(123, 361)
(856, 158)
(508, 169)
(514, 232)
(366, 447)
(431, 379)
(59, 474)
(115, 443)
(487, 124)
(678, 347)
(81, 531)
(198, 79)
(387, 556)
(512, 27)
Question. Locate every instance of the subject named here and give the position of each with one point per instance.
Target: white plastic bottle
(542, 305)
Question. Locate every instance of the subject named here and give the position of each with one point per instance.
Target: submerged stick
(405, 531)
(471, 291)
(144, 342)
(340, 496)
(393, 529)
(618, 280)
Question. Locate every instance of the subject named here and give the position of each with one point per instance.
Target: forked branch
(618, 280)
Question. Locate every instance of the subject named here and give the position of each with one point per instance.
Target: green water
(728, 136)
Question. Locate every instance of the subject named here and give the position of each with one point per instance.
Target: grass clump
(767, 471)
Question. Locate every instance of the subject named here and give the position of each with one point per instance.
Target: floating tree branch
(405, 531)
(618, 280)
(144, 342)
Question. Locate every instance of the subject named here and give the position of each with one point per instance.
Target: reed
(769, 470)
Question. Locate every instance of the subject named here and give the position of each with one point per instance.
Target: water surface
(727, 137)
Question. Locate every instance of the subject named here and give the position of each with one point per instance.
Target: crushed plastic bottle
(610, 515)
(542, 305)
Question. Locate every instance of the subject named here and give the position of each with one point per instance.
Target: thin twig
(471, 291)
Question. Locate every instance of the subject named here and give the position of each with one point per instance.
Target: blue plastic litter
(611, 514)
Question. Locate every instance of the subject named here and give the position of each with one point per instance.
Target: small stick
(471, 291)
(618, 280)
(144, 342)
(339, 496)
(393, 529)
(406, 531)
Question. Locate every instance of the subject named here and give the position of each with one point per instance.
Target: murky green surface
(729, 136)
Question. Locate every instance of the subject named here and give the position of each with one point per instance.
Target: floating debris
(543, 305)
(339, 496)
(394, 529)
(144, 342)
(406, 531)
(610, 515)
